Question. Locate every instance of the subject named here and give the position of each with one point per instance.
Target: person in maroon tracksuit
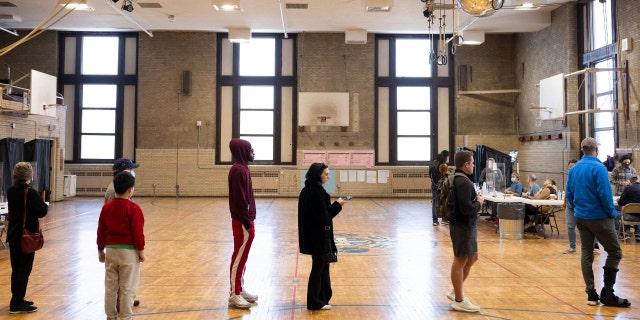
(243, 211)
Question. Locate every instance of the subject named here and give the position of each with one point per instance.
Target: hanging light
(480, 8)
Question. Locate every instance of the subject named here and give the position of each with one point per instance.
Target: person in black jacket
(315, 210)
(463, 230)
(22, 263)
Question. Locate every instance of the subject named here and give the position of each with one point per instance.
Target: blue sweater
(589, 190)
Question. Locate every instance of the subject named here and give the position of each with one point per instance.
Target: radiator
(92, 183)
(411, 183)
(265, 182)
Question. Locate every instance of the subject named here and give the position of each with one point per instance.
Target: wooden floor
(393, 264)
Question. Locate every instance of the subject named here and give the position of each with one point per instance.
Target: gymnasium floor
(393, 264)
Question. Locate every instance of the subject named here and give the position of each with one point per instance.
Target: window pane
(414, 149)
(262, 146)
(604, 79)
(604, 120)
(601, 24)
(257, 57)
(413, 98)
(412, 58)
(100, 55)
(98, 121)
(414, 123)
(607, 144)
(604, 102)
(99, 96)
(97, 147)
(256, 122)
(256, 97)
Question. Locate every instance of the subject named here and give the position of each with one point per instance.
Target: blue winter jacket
(589, 190)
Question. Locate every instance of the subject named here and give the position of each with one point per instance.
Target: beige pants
(121, 277)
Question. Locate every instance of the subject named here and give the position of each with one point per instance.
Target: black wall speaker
(463, 77)
(186, 83)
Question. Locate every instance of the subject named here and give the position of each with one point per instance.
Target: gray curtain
(11, 152)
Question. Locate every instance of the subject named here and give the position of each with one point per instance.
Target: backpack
(446, 199)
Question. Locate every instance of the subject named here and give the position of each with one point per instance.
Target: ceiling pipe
(9, 31)
(284, 28)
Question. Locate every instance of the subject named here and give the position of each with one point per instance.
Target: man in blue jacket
(589, 193)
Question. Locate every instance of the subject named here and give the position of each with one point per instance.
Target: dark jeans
(434, 196)
(319, 288)
(604, 231)
(21, 265)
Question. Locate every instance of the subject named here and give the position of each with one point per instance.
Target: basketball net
(322, 122)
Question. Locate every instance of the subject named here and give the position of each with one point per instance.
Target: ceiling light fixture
(378, 5)
(83, 5)
(239, 35)
(127, 5)
(472, 37)
(226, 5)
(527, 6)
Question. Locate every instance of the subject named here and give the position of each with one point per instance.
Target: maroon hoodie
(241, 202)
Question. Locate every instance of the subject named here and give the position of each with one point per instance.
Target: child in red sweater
(121, 232)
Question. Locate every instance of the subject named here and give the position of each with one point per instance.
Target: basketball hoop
(322, 122)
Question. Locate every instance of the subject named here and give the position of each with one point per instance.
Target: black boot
(607, 297)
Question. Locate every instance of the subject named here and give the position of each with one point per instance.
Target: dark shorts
(465, 241)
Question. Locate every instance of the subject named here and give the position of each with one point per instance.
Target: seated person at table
(533, 186)
(631, 194)
(515, 187)
(549, 191)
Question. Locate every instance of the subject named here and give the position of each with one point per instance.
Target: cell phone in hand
(347, 198)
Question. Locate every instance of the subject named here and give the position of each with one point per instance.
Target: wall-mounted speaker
(186, 83)
(463, 77)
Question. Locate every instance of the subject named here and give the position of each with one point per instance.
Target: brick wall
(628, 16)
(173, 151)
(41, 54)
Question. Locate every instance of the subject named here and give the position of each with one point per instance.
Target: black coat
(36, 208)
(314, 205)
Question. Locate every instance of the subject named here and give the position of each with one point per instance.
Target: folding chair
(550, 217)
(631, 208)
(547, 217)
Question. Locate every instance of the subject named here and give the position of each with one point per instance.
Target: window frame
(78, 80)
(235, 81)
(392, 82)
(589, 58)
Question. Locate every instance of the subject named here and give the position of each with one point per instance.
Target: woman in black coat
(22, 263)
(315, 210)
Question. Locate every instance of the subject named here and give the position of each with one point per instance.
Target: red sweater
(121, 222)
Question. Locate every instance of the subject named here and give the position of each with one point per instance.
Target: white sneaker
(248, 296)
(237, 301)
(326, 307)
(465, 305)
(452, 295)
